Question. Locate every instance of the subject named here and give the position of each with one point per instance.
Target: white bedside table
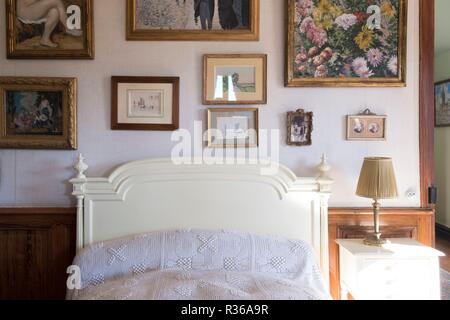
(401, 270)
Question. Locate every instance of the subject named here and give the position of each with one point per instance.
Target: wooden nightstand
(401, 270)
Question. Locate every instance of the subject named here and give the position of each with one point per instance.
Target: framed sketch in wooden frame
(59, 29)
(234, 79)
(193, 20)
(442, 103)
(233, 128)
(145, 103)
(299, 128)
(366, 126)
(334, 43)
(38, 113)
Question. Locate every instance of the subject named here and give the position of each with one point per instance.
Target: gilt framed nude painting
(193, 20)
(50, 29)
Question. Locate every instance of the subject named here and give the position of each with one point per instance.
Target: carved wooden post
(78, 191)
(324, 184)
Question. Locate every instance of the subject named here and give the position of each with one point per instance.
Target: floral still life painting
(346, 43)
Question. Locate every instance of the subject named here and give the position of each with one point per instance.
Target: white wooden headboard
(154, 195)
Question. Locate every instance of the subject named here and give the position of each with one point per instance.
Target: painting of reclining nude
(193, 19)
(50, 29)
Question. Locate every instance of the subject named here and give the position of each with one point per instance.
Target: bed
(163, 229)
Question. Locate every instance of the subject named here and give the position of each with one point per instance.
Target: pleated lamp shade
(377, 179)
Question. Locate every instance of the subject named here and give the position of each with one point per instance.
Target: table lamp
(377, 181)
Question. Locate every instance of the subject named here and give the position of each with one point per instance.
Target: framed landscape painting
(38, 113)
(145, 103)
(193, 20)
(58, 29)
(346, 43)
(442, 103)
(231, 79)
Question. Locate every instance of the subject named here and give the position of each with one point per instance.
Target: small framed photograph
(38, 113)
(442, 103)
(59, 29)
(193, 20)
(233, 128)
(299, 127)
(145, 103)
(235, 79)
(366, 126)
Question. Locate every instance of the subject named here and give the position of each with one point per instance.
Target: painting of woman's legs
(52, 14)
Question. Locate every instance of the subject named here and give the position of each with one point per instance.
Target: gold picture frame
(366, 126)
(246, 74)
(312, 61)
(299, 128)
(38, 113)
(245, 134)
(24, 37)
(251, 33)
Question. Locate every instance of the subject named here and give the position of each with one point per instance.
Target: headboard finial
(81, 167)
(324, 168)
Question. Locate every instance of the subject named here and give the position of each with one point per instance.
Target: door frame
(426, 99)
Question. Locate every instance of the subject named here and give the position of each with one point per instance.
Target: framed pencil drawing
(38, 113)
(145, 103)
(232, 79)
(57, 29)
(233, 128)
(335, 43)
(193, 20)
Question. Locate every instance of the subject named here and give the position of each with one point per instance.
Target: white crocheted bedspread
(199, 265)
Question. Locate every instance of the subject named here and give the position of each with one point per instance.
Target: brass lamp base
(375, 240)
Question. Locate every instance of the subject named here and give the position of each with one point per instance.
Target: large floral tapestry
(351, 40)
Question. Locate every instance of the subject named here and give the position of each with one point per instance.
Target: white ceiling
(442, 26)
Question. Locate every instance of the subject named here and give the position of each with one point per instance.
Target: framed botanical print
(193, 20)
(366, 126)
(234, 79)
(233, 128)
(299, 128)
(335, 43)
(38, 113)
(58, 29)
(442, 103)
(145, 103)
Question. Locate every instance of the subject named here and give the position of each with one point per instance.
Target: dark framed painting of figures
(442, 103)
(53, 29)
(193, 20)
(299, 128)
(38, 113)
(333, 43)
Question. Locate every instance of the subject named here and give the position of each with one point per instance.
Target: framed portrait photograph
(333, 43)
(234, 79)
(299, 128)
(57, 29)
(366, 127)
(38, 113)
(233, 128)
(193, 20)
(442, 103)
(145, 103)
